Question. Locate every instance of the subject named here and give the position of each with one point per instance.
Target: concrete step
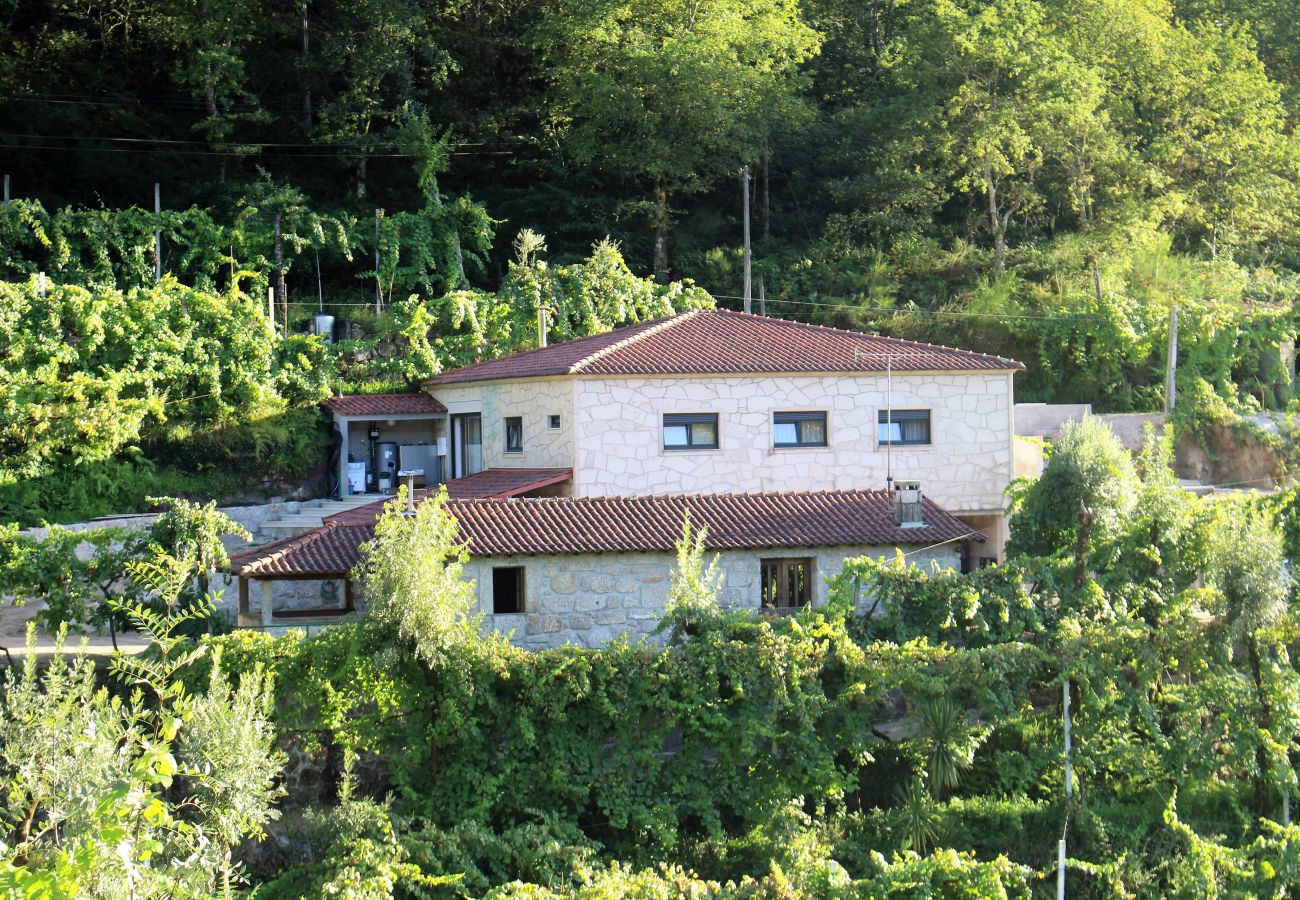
(1199, 488)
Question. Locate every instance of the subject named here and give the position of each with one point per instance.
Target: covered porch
(380, 435)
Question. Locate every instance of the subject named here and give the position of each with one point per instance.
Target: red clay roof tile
(545, 526)
(380, 405)
(722, 342)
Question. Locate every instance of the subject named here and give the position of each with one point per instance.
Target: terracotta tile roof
(380, 405)
(719, 342)
(530, 526)
(488, 483)
(330, 551)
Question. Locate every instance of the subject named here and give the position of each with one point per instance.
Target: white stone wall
(533, 399)
(589, 600)
(966, 468)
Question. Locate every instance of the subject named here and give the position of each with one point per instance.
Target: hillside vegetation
(1043, 180)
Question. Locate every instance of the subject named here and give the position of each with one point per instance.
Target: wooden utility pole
(379, 288)
(157, 234)
(744, 180)
(1171, 363)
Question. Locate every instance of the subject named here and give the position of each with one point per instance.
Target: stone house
(569, 469)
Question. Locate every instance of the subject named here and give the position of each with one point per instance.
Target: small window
(799, 429)
(553, 422)
(691, 431)
(904, 427)
(508, 590)
(787, 584)
(514, 434)
(988, 561)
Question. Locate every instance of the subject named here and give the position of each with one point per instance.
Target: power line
(912, 310)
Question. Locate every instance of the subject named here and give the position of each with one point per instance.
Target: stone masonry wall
(535, 400)
(589, 600)
(966, 468)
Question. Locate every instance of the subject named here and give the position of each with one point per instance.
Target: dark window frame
(519, 423)
(553, 421)
(519, 588)
(778, 595)
(899, 417)
(687, 420)
(797, 419)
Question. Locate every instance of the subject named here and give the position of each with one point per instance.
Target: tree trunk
(767, 193)
(1081, 549)
(306, 96)
(996, 223)
(361, 178)
(661, 235)
(461, 280)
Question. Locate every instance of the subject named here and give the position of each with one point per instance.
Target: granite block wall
(966, 468)
(589, 600)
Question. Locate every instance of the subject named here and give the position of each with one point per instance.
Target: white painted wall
(591, 599)
(619, 447)
(533, 399)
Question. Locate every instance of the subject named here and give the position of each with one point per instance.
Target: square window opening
(507, 590)
(904, 427)
(799, 429)
(691, 431)
(514, 434)
(553, 422)
(787, 584)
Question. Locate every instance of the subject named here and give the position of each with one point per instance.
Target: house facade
(800, 442)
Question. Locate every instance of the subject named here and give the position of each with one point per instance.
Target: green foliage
(900, 601)
(142, 793)
(411, 575)
(1089, 477)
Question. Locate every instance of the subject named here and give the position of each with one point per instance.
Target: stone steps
(310, 515)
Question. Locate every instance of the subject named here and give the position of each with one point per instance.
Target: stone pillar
(343, 425)
(268, 590)
(244, 615)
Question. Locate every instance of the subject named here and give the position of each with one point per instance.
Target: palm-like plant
(950, 743)
(916, 819)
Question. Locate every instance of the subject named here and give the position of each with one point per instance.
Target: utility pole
(1172, 362)
(1069, 791)
(762, 296)
(379, 290)
(744, 178)
(157, 235)
(6, 192)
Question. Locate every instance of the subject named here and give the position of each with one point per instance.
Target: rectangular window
(787, 584)
(690, 431)
(553, 422)
(904, 427)
(514, 434)
(508, 590)
(799, 429)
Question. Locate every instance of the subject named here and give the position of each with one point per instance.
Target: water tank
(386, 464)
(325, 326)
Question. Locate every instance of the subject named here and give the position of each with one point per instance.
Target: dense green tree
(670, 96)
(1086, 491)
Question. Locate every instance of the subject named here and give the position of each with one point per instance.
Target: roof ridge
(863, 334)
(632, 339)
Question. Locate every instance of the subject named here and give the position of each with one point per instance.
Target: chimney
(908, 511)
